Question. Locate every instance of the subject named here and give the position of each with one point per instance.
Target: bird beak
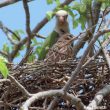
(61, 20)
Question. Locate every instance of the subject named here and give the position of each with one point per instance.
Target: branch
(4, 80)
(24, 60)
(40, 36)
(99, 97)
(92, 58)
(23, 90)
(8, 2)
(106, 54)
(51, 93)
(28, 30)
(4, 54)
(4, 3)
(6, 31)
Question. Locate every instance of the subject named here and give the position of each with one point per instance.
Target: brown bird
(61, 24)
(62, 49)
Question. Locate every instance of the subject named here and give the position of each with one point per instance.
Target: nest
(41, 76)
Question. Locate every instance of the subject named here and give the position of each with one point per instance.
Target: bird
(60, 25)
(62, 49)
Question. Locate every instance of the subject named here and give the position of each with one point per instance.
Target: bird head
(61, 22)
(61, 16)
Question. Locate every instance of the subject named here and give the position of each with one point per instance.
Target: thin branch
(106, 54)
(8, 2)
(4, 54)
(75, 101)
(4, 80)
(17, 37)
(39, 36)
(4, 3)
(28, 30)
(92, 58)
(24, 60)
(22, 89)
(98, 98)
(5, 30)
(26, 8)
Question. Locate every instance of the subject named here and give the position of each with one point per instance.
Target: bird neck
(64, 27)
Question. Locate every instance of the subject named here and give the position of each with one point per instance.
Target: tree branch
(23, 90)
(4, 3)
(99, 97)
(75, 101)
(106, 54)
(28, 30)
(8, 2)
(6, 31)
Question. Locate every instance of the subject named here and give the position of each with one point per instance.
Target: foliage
(37, 48)
(49, 15)
(3, 68)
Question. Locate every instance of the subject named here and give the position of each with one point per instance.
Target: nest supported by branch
(41, 76)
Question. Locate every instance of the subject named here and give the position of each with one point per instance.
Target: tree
(75, 81)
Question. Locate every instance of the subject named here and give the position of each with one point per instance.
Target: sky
(13, 16)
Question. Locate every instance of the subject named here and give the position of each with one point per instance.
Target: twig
(23, 90)
(98, 98)
(50, 93)
(18, 38)
(24, 60)
(4, 80)
(102, 19)
(4, 54)
(4, 3)
(92, 58)
(106, 54)
(39, 36)
(28, 30)
(5, 30)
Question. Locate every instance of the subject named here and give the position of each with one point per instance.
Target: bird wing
(50, 40)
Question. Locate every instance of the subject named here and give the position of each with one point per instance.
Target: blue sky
(13, 17)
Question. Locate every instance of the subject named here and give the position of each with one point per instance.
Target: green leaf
(3, 59)
(38, 49)
(102, 0)
(34, 40)
(49, 15)
(6, 48)
(57, 2)
(18, 34)
(76, 6)
(18, 54)
(69, 10)
(31, 58)
(49, 1)
(82, 8)
(83, 26)
(88, 2)
(75, 24)
(82, 21)
(3, 69)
